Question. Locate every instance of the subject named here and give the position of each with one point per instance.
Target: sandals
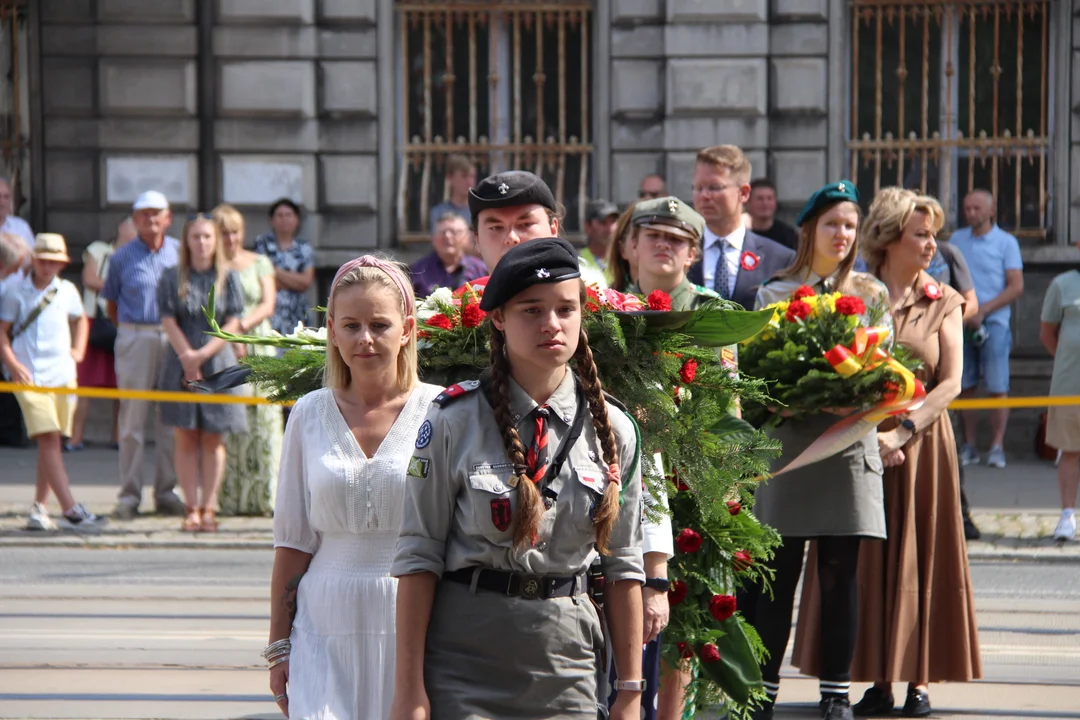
(209, 522)
(193, 521)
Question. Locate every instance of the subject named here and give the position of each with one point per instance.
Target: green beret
(671, 215)
(837, 192)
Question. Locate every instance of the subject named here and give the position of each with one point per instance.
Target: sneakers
(79, 518)
(996, 458)
(39, 518)
(969, 455)
(1066, 527)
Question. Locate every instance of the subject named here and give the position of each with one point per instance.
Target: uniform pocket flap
(873, 461)
(492, 479)
(592, 478)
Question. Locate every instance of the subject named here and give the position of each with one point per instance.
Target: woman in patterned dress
(251, 464)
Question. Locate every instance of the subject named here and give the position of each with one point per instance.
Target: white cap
(151, 199)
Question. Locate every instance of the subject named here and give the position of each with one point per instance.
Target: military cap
(837, 192)
(600, 209)
(509, 189)
(545, 260)
(670, 215)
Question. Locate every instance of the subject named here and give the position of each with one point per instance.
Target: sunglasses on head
(200, 216)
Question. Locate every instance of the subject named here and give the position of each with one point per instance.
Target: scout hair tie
(613, 473)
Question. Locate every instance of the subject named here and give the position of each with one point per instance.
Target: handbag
(102, 332)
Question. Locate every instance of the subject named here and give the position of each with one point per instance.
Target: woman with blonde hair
(339, 503)
(251, 464)
(916, 608)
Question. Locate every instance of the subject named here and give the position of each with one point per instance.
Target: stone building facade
(351, 106)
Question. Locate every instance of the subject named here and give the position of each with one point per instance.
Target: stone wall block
(127, 133)
(68, 86)
(352, 135)
(717, 11)
(631, 134)
(268, 11)
(80, 228)
(148, 87)
(283, 41)
(259, 179)
(342, 44)
(627, 170)
(694, 133)
(798, 132)
(347, 11)
(67, 133)
(149, 40)
(62, 11)
(709, 39)
(266, 135)
(141, 11)
(729, 86)
(800, 9)
(799, 39)
(629, 11)
(341, 235)
(799, 85)
(348, 86)
(798, 173)
(268, 87)
(636, 88)
(638, 41)
(1074, 175)
(70, 179)
(68, 40)
(350, 181)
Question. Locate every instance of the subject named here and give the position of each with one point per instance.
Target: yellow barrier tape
(216, 399)
(149, 395)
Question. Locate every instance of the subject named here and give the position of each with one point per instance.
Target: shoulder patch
(454, 392)
(419, 467)
(423, 437)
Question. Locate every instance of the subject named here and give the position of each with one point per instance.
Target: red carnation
(441, 321)
(798, 309)
(850, 305)
(803, 291)
(659, 300)
(685, 651)
(677, 593)
(722, 607)
(472, 316)
(709, 653)
(688, 541)
(742, 560)
(689, 371)
(734, 507)
(592, 299)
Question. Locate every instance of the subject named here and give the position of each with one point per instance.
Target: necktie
(537, 457)
(721, 276)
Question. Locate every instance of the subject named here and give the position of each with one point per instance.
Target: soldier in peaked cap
(518, 483)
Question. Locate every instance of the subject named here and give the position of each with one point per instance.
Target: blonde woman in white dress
(339, 504)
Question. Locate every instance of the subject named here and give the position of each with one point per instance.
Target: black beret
(831, 194)
(509, 189)
(534, 262)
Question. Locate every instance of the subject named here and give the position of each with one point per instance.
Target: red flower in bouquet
(722, 607)
(472, 316)
(685, 651)
(803, 291)
(622, 302)
(677, 481)
(734, 507)
(709, 653)
(742, 560)
(688, 541)
(441, 321)
(798, 310)
(689, 371)
(659, 300)
(850, 305)
(592, 299)
(677, 593)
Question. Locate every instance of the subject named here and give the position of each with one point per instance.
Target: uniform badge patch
(423, 438)
(501, 514)
(455, 391)
(419, 467)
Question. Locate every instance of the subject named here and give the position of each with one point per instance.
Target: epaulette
(454, 392)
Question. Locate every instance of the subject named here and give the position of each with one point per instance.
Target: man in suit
(734, 260)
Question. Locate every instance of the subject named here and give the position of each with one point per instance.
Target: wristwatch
(908, 424)
(658, 583)
(630, 685)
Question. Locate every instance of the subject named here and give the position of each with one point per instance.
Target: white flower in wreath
(306, 333)
(433, 304)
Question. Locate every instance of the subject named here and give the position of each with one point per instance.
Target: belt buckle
(531, 586)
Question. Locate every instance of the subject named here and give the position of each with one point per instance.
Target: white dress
(345, 509)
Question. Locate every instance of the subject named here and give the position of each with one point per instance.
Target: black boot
(917, 703)
(835, 707)
(875, 701)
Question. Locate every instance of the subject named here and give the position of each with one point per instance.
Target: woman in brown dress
(916, 609)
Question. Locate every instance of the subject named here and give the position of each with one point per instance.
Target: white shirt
(732, 253)
(20, 228)
(44, 348)
(657, 536)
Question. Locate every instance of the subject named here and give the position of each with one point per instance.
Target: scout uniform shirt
(459, 505)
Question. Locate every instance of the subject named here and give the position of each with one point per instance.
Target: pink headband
(371, 261)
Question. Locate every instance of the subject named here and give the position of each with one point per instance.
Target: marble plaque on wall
(127, 177)
(260, 182)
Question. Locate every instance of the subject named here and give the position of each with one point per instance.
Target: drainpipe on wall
(37, 130)
(208, 192)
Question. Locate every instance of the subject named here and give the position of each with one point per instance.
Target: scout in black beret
(510, 189)
(510, 208)
(547, 260)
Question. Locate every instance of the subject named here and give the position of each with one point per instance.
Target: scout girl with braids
(517, 483)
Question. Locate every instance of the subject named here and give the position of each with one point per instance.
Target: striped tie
(537, 456)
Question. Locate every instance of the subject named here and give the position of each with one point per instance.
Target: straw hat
(50, 246)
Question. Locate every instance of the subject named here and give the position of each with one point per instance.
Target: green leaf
(732, 429)
(717, 328)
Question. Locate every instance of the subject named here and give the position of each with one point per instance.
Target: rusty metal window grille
(506, 83)
(14, 115)
(952, 95)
